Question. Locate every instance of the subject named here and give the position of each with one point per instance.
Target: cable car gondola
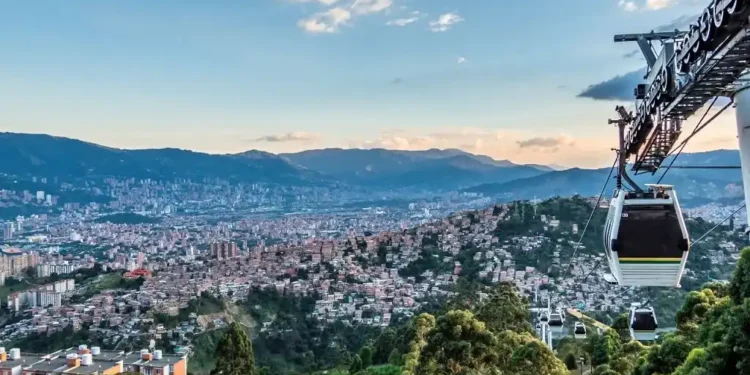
(643, 323)
(543, 317)
(579, 331)
(645, 237)
(560, 311)
(556, 323)
(610, 279)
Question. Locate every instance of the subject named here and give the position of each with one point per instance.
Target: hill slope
(690, 183)
(36, 154)
(440, 169)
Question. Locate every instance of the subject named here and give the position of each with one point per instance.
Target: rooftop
(57, 362)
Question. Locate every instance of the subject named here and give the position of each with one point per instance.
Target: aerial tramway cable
(719, 224)
(593, 211)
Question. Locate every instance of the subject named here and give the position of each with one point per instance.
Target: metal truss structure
(694, 66)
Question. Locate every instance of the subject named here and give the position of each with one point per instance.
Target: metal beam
(644, 42)
(648, 36)
(703, 167)
(647, 51)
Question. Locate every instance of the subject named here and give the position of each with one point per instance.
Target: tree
(694, 364)
(394, 359)
(365, 354)
(234, 353)
(505, 310)
(622, 326)
(535, 358)
(423, 324)
(696, 305)
(670, 354)
(739, 287)
(30, 272)
(383, 346)
(602, 370)
(720, 289)
(384, 370)
(459, 343)
(605, 347)
(507, 343)
(356, 365)
(571, 362)
(738, 337)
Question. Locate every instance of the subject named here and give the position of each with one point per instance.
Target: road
(587, 319)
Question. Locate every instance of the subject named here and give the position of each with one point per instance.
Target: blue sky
(494, 77)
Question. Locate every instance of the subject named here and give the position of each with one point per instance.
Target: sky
(529, 82)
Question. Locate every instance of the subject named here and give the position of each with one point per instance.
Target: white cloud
(289, 137)
(414, 17)
(445, 22)
(628, 6)
(326, 22)
(461, 60)
(402, 21)
(370, 6)
(345, 12)
(659, 4)
(631, 6)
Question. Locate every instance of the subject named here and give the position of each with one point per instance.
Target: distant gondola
(610, 279)
(646, 238)
(579, 331)
(643, 323)
(544, 317)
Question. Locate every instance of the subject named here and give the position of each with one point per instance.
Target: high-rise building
(8, 230)
(43, 270)
(42, 296)
(14, 261)
(45, 299)
(224, 250)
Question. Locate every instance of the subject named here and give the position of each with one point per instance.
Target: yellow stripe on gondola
(650, 260)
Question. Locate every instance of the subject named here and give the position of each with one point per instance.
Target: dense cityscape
(132, 270)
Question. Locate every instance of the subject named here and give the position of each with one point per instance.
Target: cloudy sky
(488, 76)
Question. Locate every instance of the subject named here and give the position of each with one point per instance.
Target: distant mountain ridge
(38, 154)
(439, 169)
(689, 183)
(430, 171)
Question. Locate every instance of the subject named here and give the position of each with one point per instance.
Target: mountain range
(45, 155)
(689, 183)
(436, 169)
(429, 170)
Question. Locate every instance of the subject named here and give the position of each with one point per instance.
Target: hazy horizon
(553, 165)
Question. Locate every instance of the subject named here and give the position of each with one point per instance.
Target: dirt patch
(232, 313)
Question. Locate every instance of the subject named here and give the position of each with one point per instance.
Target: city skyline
(285, 76)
